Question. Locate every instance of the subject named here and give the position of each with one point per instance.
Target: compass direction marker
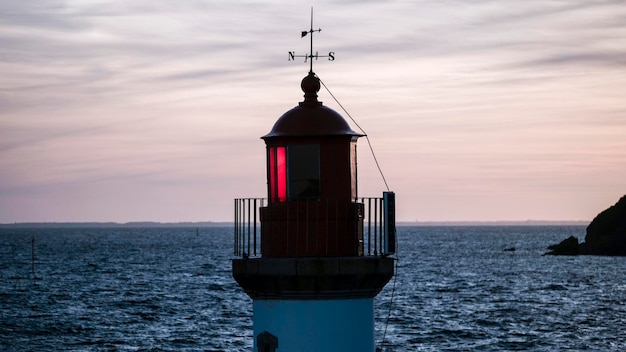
(310, 56)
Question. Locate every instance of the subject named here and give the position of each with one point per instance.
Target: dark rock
(568, 246)
(606, 234)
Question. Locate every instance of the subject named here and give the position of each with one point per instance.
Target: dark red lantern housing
(312, 183)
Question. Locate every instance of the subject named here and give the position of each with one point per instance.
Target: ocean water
(170, 289)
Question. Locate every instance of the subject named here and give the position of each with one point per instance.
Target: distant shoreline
(144, 224)
(115, 224)
(496, 223)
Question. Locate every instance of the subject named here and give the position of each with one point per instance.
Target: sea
(456, 288)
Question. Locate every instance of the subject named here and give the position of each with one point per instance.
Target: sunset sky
(152, 110)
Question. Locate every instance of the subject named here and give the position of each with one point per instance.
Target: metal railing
(247, 226)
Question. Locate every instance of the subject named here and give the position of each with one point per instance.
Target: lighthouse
(313, 255)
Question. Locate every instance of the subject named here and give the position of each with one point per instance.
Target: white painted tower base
(317, 325)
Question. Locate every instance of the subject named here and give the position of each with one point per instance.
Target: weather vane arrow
(310, 55)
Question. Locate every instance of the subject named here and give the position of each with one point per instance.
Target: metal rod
(249, 229)
(238, 226)
(380, 224)
(235, 228)
(241, 227)
(255, 213)
(311, 57)
(369, 226)
(375, 227)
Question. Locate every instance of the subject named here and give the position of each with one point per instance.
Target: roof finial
(310, 55)
(310, 86)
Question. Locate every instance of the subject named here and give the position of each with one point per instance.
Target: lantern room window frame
(293, 172)
(277, 173)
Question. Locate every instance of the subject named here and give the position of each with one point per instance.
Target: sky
(477, 110)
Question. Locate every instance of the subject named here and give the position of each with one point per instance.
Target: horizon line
(231, 223)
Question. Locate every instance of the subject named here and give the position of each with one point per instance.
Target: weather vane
(310, 55)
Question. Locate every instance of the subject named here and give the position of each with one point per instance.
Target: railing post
(239, 227)
(375, 226)
(380, 225)
(369, 226)
(255, 212)
(235, 229)
(247, 202)
(242, 228)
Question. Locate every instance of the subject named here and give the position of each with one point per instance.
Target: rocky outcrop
(568, 246)
(606, 235)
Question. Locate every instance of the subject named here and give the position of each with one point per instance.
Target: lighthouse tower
(313, 255)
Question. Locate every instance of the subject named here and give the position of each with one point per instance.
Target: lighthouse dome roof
(310, 117)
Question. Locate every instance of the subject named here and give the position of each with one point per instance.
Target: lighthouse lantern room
(313, 255)
(311, 178)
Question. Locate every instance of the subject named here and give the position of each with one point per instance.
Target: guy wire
(363, 131)
(397, 258)
(393, 291)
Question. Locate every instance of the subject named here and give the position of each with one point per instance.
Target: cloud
(614, 59)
